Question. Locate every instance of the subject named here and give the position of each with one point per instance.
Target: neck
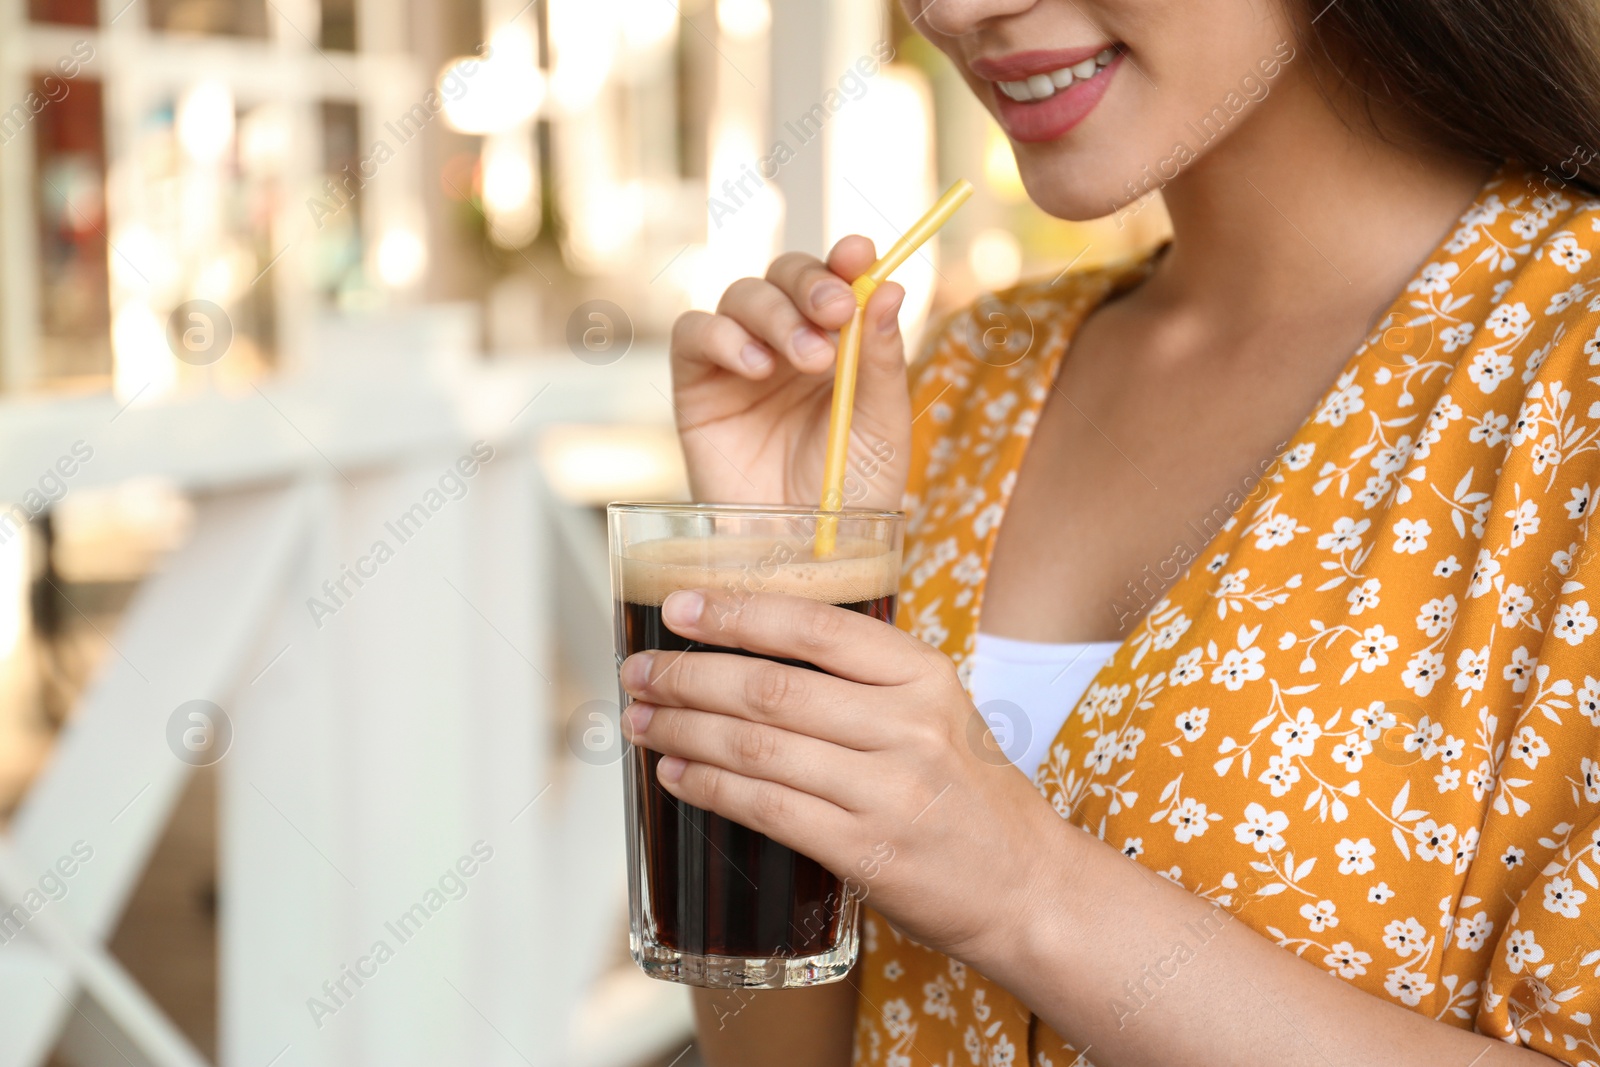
(1300, 212)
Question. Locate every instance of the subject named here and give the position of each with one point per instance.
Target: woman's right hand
(752, 385)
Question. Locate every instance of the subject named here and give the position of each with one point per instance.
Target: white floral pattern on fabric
(1366, 721)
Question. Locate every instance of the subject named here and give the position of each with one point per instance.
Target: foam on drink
(859, 570)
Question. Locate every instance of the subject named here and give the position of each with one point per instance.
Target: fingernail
(670, 769)
(810, 345)
(755, 357)
(682, 608)
(636, 670)
(639, 715)
(830, 291)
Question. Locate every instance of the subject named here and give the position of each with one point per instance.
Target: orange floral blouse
(1366, 719)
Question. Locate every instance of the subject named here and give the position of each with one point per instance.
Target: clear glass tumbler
(712, 903)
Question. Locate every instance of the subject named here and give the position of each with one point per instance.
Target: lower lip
(1045, 120)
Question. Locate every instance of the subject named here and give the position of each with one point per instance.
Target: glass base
(745, 972)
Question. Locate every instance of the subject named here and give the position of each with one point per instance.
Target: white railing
(398, 772)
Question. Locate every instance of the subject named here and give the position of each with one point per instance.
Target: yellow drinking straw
(844, 377)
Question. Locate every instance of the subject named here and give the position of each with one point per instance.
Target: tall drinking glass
(712, 903)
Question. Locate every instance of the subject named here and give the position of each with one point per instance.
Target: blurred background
(326, 330)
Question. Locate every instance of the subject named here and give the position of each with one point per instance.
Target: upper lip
(1019, 66)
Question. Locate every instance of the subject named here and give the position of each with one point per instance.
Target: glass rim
(777, 511)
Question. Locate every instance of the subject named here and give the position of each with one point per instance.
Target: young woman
(1281, 540)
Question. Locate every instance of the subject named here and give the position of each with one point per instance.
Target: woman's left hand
(881, 769)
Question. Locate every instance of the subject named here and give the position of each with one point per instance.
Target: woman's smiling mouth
(1044, 86)
(1039, 96)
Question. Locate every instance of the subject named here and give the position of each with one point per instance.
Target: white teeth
(1044, 86)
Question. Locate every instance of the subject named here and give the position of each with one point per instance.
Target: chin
(1080, 184)
(1098, 169)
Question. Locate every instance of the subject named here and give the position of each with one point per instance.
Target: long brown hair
(1496, 79)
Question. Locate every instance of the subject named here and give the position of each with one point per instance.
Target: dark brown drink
(712, 887)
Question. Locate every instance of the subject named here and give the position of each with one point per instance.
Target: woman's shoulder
(1530, 243)
(1514, 298)
(1523, 209)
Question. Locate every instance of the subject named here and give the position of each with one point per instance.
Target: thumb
(883, 349)
(883, 407)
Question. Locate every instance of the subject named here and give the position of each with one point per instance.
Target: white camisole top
(1026, 689)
